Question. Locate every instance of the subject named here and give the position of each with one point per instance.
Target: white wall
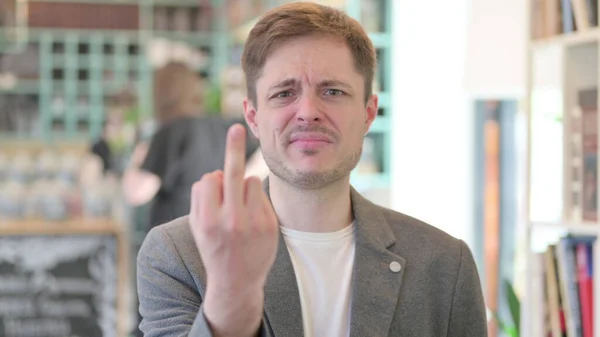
(432, 160)
(496, 48)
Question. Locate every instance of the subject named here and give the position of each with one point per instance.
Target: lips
(309, 137)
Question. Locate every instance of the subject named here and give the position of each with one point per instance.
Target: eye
(333, 92)
(283, 94)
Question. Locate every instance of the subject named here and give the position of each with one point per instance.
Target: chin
(310, 157)
(310, 175)
(311, 179)
(310, 170)
(312, 165)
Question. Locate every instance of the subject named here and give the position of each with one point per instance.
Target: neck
(327, 209)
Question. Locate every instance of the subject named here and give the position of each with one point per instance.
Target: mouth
(310, 138)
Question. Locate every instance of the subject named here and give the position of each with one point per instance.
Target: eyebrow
(333, 83)
(325, 83)
(288, 82)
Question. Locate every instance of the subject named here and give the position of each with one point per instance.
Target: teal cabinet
(66, 80)
(79, 74)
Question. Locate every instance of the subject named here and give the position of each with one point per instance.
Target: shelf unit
(77, 72)
(573, 228)
(72, 74)
(380, 133)
(560, 66)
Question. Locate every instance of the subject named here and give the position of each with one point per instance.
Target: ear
(250, 116)
(372, 107)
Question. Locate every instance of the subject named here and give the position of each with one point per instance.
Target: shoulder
(175, 235)
(171, 247)
(435, 261)
(415, 229)
(424, 243)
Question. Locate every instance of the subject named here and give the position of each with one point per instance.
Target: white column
(432, 161)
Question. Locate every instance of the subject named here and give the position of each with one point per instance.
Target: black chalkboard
(58, 286)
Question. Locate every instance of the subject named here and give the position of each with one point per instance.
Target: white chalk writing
(17, 307)
(73, 308)
(41, 327)
(72, 286)
(13, 285)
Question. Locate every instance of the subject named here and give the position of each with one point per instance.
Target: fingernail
(237, 131)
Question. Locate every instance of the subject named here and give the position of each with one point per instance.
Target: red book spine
(586, 294)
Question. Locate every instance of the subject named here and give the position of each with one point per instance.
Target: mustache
(286, 137)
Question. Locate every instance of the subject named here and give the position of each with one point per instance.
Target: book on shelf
(588, 100)
(581, 162)
(576, 162)
(555, 17)
(563, 281)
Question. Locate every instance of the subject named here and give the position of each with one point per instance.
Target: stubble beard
(311, 180)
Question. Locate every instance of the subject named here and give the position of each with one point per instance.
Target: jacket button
(395, 266)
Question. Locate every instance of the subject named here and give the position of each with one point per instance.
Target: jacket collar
(376, 286)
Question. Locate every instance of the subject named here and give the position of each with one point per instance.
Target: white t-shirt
(323, 264)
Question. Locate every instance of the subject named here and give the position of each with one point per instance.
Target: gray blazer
(436, 293)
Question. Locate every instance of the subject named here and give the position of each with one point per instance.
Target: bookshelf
(562, 81)
(569, 39)
(573, 228)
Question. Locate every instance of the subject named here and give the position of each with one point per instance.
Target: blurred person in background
(101, 148)
(186, 145)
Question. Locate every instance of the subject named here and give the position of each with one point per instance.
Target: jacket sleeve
(170, 303)
(468, 313)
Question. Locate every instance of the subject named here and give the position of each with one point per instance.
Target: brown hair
(178, 92)
(301, 19)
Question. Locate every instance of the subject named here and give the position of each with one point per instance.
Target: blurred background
(487, 129)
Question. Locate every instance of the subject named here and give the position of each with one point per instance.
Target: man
(187, 144)
(309, 256)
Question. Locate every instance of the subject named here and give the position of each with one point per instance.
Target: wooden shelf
(196, 38)
(23, 87)
(569, 39)
(10, 145)
(591, 228)
(178, 3)
(86, 2)
(35, 34)
(68, 227)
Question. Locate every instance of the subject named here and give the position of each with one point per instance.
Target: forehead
(312, 58)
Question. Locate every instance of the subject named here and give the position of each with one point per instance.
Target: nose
(309, 110)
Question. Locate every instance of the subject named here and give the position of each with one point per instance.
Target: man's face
(311, 116)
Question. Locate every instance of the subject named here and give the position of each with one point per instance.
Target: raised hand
(236, 232)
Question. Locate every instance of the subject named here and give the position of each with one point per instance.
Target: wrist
(233, 313)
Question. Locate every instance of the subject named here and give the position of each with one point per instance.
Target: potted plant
(510, 327)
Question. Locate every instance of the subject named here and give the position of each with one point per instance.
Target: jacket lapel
(376, 286)
(282, 299)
